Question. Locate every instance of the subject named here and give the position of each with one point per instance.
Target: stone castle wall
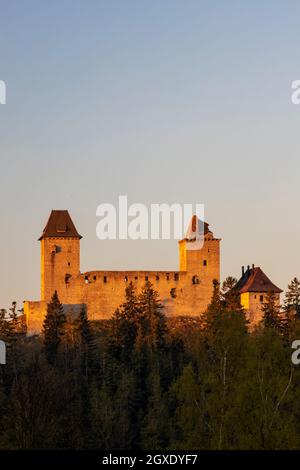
(183, 293)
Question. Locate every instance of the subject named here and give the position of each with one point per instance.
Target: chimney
(248, 268)
(243, 270)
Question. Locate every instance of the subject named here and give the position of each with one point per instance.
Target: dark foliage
(138, 383)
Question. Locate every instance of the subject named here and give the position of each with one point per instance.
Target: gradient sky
(161, 100)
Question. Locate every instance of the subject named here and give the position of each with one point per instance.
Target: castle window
(173, 293)
(195, 280)
(95, 277)
(86, 279)
(176, 277)
(146, 278)
(205, 263)
(57, 249)
(104, 279)
(126, 278)
(69, 264)
(136, 278)
(157, 277)
(261, 298)
(168, 277)
(67, 278)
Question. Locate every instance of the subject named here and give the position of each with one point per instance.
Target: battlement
(185, 292)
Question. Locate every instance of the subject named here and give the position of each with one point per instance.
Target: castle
(186, 292)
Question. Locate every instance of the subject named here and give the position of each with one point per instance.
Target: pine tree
(125, 327)
(272, 317)
(53, 327)
(86, 344)
(152, 325)
(15, 318)
(211, 318)
(292, 299)
(155, 425)
(230, 295)
(10, 325)
(6, 331)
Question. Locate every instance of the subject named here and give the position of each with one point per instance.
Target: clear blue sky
(161, 100)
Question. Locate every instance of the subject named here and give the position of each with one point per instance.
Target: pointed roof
(60, 225)
(255, 280)
(196, 227)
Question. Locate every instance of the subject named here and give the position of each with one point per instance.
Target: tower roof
(60, 225)
(196, 227)
(255, 280)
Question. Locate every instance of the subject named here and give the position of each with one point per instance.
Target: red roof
(60, 225)
(255, 280)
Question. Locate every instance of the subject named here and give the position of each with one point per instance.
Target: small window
(67, 278)
(57, 249)
(195, 280)
(104, 279)
(173, 293)
(86, 279)
(136, 278)
(168, 277)
(95, 277)
(126, 278)
(69, 264)
(146, 278)
(261, 298)
(205, 262)
(157, 277)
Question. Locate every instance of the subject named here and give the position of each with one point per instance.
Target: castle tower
(199, 253)
(253, 287)
(60, 255)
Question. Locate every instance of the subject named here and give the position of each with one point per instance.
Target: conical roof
(255, 280)
(60, 225)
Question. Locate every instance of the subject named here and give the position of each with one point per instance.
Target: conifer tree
(53, 327)
(10, 325)
(125, 326)
(272, 317)
(155, 425)
(15, 319)
(6, 331)
(152, 324)
(211, 318)
(85, 343)
(292, 299)
(230, 295)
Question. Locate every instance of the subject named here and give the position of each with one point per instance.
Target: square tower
(199, 253)
(60, 255)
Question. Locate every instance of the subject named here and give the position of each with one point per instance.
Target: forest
(145, 381)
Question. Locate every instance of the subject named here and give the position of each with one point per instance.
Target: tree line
(137, 382)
